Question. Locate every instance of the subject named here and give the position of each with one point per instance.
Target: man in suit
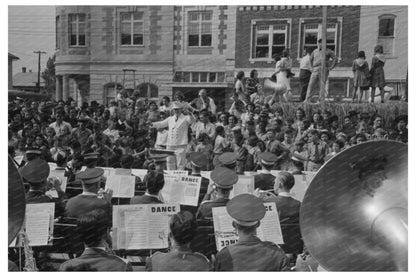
(93, 228)
(177, 135)
(88, 200)
(182, 228)
(36, 173)
(154, 182)
(224, 180)
(249, 253)
(288, 209)
(265, 180)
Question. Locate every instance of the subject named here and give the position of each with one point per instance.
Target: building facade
(166, 48)
(11, 58)
(387, 26)
(263, 31)
(103, 48)
(158, 50)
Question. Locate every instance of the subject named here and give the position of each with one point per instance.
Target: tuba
(16, 214)
(354, 214)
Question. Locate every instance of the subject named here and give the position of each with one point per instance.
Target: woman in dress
(283, 74)
(377, 73)
(240, 89)
(361, 72)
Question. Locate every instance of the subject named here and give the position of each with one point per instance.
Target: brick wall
(350, 30)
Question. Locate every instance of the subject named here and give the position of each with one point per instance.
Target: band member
(154, 182)
(249, 253)
(224, 179)
(265, 180)
(182, 228)
(93, 229)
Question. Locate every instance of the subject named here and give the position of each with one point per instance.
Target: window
(200, 29)
(386, 26)
(148, 90)
(77, 29)
(131, 28)
(269, 39)
(57, 41)
(312, 31)
(199, 77)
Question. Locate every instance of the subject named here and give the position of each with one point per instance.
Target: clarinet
(30, 262)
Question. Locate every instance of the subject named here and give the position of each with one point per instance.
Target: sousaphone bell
(354, 214)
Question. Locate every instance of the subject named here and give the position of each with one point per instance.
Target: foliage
(49, 76)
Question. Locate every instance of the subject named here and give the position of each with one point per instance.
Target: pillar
(58, 88)
(65, 87)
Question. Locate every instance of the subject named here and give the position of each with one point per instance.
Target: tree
(49, 76)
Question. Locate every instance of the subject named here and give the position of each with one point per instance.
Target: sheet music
(122, 171)
(180, 189)
(250, 173)
(142, 226)
(225, 233)
(122, 185)
(177, 172)
(270, 229)
(139, 173)
(39, 223)
(299, 189)
(18, 159)
(52, 166)
(245, 184)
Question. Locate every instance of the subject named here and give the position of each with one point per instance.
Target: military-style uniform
(224, 178)
(36, 172)
(96, 259)
(265, 180)
(179, 259)
(251, 254)
(205, 209)
(145, 199)
(87, 201)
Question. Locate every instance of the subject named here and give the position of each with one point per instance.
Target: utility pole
(322, 93)
(38, 83)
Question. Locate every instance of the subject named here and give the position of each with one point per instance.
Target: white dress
(283, 83)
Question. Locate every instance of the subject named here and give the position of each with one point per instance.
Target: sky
(31, 28)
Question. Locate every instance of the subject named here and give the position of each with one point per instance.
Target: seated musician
(288, 209)
(199, 160)
(224, 180)
(180, 258)
(228, 160)
(154, 182)
(36, 173)
(249, 253)
(93, 228)
(88, 200)
(265, 180)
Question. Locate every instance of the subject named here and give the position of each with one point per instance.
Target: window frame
(385, 38)
(132, 21)
(77, 22)
(287, 22)
(337, 30)
(57, 32)
(200, 22)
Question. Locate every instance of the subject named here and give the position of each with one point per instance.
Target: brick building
(388, 26)
(263, 31)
